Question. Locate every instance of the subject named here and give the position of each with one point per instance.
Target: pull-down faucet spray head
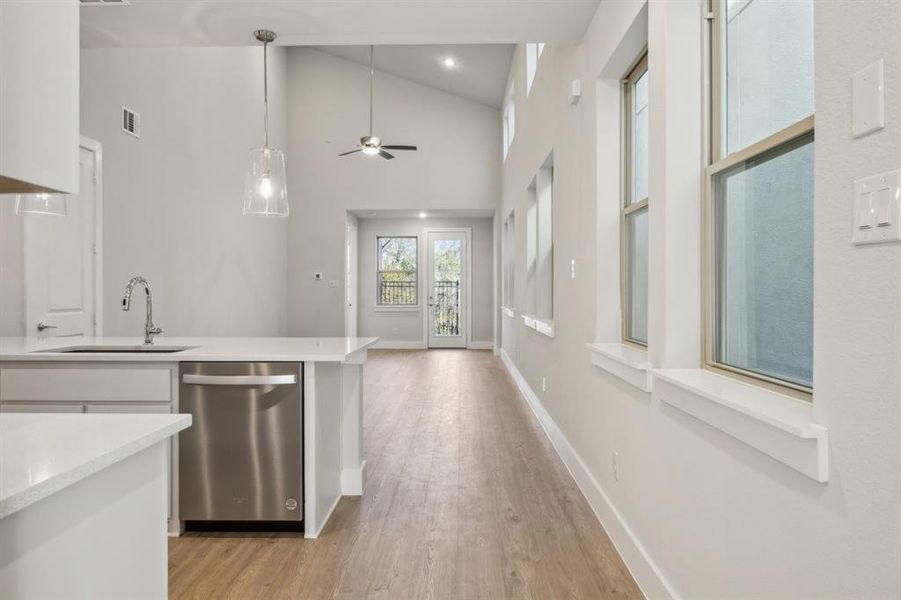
(150, 329)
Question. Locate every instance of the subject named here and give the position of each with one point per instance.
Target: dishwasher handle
(240, 379)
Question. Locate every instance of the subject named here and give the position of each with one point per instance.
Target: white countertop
(41, 454)
(250, 349)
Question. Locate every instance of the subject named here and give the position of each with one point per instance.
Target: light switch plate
(877, 209)
(868, 100)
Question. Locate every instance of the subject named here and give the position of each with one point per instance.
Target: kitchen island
(122, 375)
(83, 505)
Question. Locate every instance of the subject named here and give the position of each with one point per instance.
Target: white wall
(407, 325)
(457, 167)
(172, 199)
(714, 517)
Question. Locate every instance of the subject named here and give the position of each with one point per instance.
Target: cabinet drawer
(80, 384)
(34, 407)
(133, 408)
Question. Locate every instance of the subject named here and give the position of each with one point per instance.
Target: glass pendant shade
(41, 204)
(266, 188)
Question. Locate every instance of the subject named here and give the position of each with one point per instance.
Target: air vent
(131, 122)
(104, 2)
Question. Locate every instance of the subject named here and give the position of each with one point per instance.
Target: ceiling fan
(372, 145)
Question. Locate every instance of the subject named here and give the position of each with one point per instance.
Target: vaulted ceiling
(334, 22)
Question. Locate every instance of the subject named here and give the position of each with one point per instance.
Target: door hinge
(94, 249)
(708, 16)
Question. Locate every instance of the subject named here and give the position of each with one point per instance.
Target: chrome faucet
(150, 329)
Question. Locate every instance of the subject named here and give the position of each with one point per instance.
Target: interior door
(60, 263)
(447, 281)
(350, 282)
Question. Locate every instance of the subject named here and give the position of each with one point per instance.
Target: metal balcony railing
(396, 293)
(446, 298)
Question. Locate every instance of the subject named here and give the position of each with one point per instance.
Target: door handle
(42, 326)
(240, 379)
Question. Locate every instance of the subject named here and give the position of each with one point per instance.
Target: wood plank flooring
(464, 499)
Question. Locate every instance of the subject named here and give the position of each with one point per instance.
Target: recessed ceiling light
(422, 215)
(449, 62)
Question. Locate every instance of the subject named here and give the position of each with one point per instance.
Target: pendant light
(41, 204)
(265, 187)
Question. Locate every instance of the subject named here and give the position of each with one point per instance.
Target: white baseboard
(644, 570)
(481, 346)
(399, 345)
(352, 480)
(312, 535)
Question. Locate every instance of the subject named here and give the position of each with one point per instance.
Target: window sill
(629, 364)
(777, 425)
(543, 327)
(412, 308)
(509, 312)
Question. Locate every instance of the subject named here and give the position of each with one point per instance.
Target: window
(759, 273)
(540, 244)
(544, 268)
(634, 222)
(509, 118)
(397, 282)
(533, 53)
(508, 242)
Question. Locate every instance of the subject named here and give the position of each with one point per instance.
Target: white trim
(544, 327)
(312, 535)
(481, 345)
(641, 565)
(467, 316)
(629, 364)
(540, 325)
(97, 148)
(399, 345)
(352, 480)
(779, 426)
(509, 312)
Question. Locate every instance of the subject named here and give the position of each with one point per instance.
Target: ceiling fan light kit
(266, 182)
(371, 145)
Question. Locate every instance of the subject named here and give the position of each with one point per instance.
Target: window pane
(764, 264)
(769, 68)
(397, 254)
(637, 276)
(397, 270)
(640, 139)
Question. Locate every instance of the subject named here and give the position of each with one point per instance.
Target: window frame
(378, 272)
(627, 207)
(717, 161)
(508, 237)
(508, 118)
(533, 52)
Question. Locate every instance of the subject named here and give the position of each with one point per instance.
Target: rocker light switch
(877, 209)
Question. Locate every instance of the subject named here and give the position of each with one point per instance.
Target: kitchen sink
(119, 349)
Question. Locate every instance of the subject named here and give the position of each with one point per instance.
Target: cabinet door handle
(42, 326)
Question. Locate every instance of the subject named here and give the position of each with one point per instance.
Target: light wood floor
(464, 498)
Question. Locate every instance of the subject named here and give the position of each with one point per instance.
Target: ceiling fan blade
(386, 155)
(350, 152)
(397, 147)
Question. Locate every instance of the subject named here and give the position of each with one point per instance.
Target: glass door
(447, 289)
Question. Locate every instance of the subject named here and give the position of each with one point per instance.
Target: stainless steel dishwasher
(242, 459)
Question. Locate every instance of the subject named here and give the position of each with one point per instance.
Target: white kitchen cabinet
(35, 407)
(39, 73)
(97, 387)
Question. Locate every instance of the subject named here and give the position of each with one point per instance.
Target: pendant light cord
(266, 93)
(371, 75)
